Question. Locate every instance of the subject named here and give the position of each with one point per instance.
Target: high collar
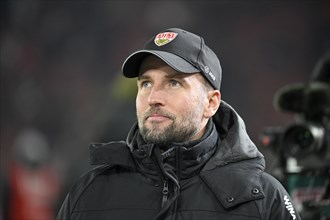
(182, 159)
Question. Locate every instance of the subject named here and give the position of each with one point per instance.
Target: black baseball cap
(183, 51)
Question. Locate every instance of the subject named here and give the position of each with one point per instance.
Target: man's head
(175, 98)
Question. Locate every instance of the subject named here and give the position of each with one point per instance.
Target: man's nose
(156, 96)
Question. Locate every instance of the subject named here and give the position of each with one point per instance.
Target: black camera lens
(302, 139)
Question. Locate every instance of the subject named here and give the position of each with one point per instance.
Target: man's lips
(157, 118)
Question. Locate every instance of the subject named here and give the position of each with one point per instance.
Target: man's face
(170, 105)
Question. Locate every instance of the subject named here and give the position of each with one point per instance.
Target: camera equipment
(303, 147)
(301, 140)
(308, 138)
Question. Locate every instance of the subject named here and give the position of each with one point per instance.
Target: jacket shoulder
(106, 157)
(239, 181)
(277, 200)
(85, 180)
(244, 182)
(77, 190)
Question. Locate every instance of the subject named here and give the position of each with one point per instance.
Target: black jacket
(220, 176)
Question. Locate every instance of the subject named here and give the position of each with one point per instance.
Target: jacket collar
(183, 159)
(235, 144)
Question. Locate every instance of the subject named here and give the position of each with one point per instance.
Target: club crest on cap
(164, 38)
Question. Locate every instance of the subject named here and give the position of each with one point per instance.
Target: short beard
(177, 132)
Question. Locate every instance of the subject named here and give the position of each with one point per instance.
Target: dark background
(61, 60)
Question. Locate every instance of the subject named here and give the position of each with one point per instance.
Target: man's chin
(156, 132)
(157, 127)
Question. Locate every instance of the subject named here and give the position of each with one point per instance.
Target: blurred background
(61, 86)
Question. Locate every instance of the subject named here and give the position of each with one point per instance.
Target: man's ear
(214, 100)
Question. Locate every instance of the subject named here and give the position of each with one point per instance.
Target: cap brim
(132, 64)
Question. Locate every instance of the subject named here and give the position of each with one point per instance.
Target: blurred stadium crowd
(61, 87)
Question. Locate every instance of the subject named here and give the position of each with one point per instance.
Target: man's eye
(146, 84)
(174, 82)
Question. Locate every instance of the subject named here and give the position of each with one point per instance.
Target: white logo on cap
(164, 38)
(207, 70)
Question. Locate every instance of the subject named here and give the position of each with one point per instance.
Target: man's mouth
(157, 118)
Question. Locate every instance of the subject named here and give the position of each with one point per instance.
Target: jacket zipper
(165, 193)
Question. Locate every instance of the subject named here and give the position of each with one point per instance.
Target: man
(187, 157)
